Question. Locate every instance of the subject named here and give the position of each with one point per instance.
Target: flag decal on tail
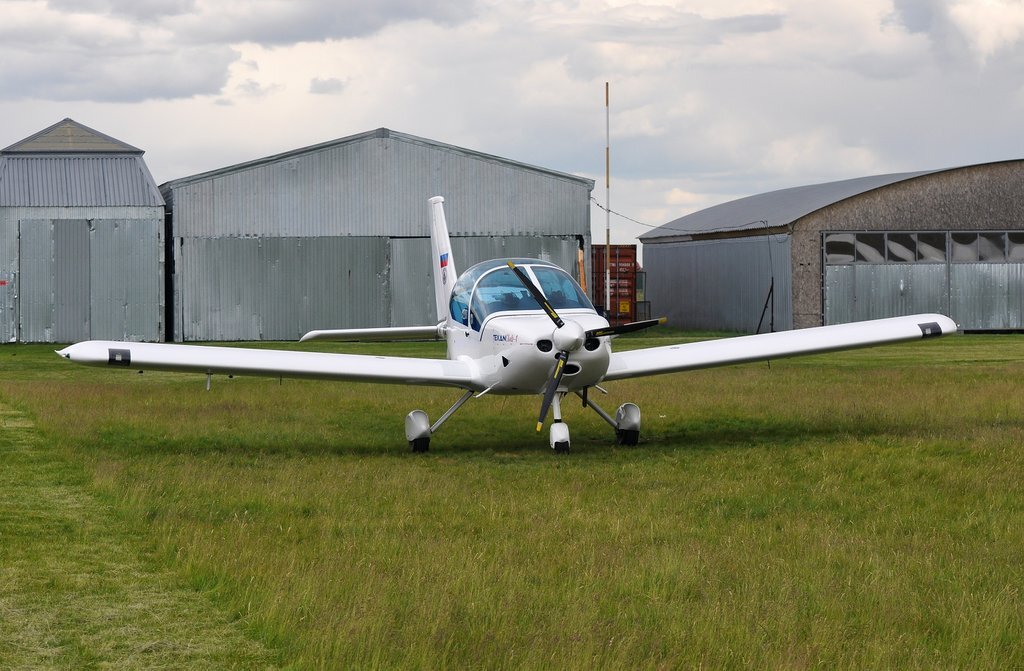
(444, 264)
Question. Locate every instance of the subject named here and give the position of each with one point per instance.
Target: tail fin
(444, 265)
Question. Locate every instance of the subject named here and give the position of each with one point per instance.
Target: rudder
(443, 262)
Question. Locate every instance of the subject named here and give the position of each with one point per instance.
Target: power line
(691, 231)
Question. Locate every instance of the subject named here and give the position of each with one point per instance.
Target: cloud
(284, 22)
(329, 86)
(709, 100)
(138, 9)
(134, 50)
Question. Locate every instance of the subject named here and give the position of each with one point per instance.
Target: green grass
(854, 510)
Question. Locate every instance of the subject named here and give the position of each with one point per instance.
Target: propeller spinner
(567, 337)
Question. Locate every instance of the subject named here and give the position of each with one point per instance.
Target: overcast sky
(710, 99)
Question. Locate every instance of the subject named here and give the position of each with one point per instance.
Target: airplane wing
(272, 363)
(744, 349)
(385, 333)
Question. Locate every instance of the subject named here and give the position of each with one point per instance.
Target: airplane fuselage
(514, 352)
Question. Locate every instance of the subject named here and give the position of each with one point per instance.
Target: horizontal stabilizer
(377, 334)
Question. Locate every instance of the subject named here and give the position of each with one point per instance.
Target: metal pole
(608, 206)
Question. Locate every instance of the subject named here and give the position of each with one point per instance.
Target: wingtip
(540, 426)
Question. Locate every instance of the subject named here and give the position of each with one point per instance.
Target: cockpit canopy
(491, 287)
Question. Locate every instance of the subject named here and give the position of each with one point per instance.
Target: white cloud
(989, 25)
(710, 100)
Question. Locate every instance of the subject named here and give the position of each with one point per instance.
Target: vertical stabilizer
(444, 265)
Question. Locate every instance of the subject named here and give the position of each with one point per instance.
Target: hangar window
(981, 247)
(839, 248)
(870, 247)
(1015, 247)
(901, 247)
(845, 248)
(927, 247)
(964, 247)
(992, 247)
(931, 247)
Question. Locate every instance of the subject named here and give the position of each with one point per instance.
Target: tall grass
(853, 510)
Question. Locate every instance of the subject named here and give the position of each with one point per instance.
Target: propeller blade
(625, 328)
(537, 295)
(549, 392)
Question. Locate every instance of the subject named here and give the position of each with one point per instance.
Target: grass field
(854, 510)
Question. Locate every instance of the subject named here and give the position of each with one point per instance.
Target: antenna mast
(608, 206)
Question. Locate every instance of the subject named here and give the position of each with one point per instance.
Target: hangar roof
(769, 210)
(69, 164)
(69, 136)
(383, 133)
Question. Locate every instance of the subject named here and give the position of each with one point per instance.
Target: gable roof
(70, 137)
(69, 165)
(379, 133)
(770, 210)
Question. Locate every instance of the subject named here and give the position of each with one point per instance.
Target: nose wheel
(559, 437)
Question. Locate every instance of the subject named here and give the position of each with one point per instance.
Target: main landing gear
(626, 423)
(418, 428)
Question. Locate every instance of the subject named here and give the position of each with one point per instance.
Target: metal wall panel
(71, 288)
(412, 281)
(8, 275)
(126, 279)
(35, 303)
(720, 284)
(379, 186)
(278, 288)
(873, 291)
(80, 280)
(66, 181)
(987, 295)
(8, 307)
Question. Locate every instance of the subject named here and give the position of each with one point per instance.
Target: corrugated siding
(90, 279)
(278, 288)
(720, 284)
(35, 303)
(9, 278)
(873, 291)
(987, 295)
(71, 280)
(84, 181)
(978, 296)
(8, 307)
(126, 276)
(379, 186)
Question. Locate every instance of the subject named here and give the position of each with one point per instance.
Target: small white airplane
(513, 326)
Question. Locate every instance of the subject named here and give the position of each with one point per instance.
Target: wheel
(559, 438)
(627, 436)
(420, 444)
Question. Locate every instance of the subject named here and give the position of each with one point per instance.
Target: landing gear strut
(418, 428)
(626, 422)
(559, 435)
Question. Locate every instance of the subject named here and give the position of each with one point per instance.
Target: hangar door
(975, 278)
(89, 279)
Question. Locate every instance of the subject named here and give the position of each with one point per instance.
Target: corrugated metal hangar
(81, 239)
(949, 241)
(329, 236)
(337, 235)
